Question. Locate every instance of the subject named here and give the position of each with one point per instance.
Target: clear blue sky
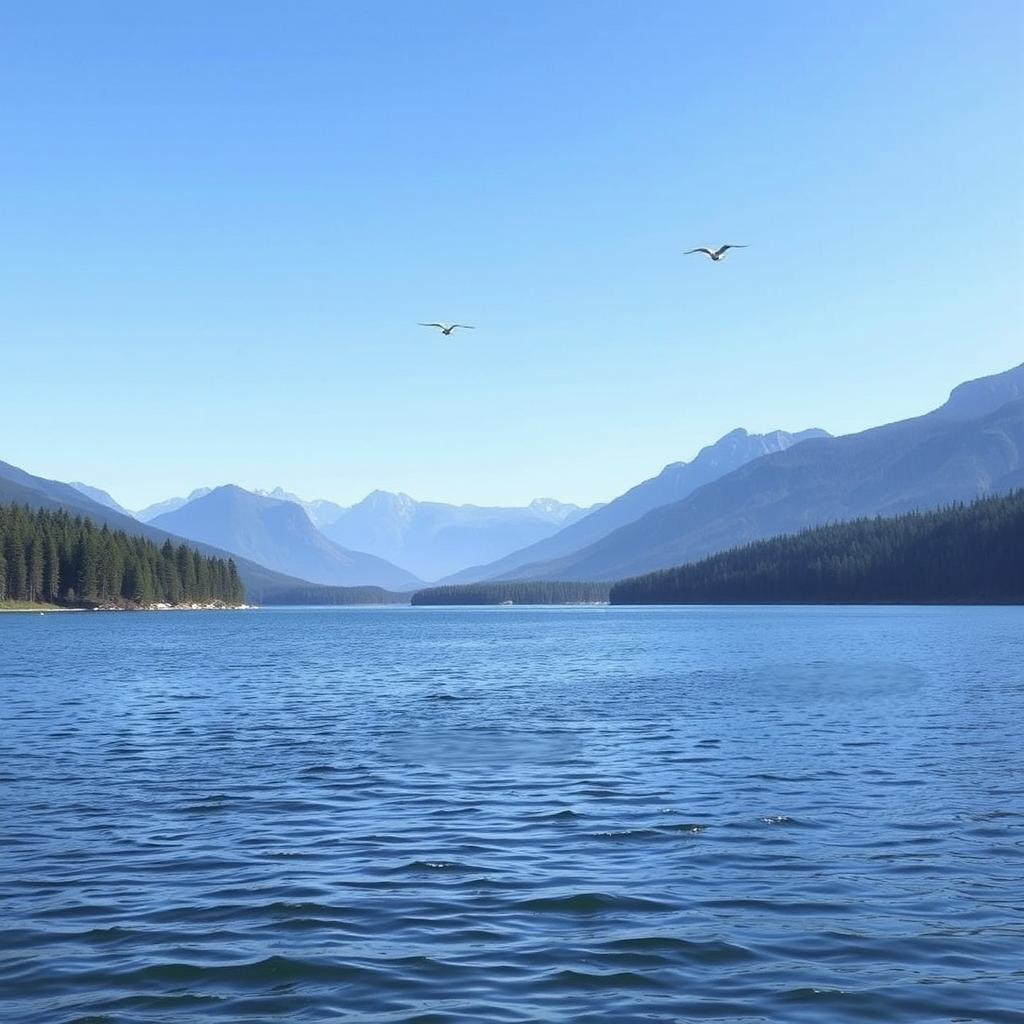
(221, 222)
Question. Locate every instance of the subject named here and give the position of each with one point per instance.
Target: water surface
(509, 815)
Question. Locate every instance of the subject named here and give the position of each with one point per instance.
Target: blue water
(439, 815)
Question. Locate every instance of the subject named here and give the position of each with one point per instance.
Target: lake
(513, 814)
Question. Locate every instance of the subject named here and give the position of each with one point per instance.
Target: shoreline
(35, 608)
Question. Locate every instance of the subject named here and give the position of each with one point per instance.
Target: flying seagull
(715, 254)
(447, 329)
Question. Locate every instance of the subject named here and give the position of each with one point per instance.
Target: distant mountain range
(433, 539)
(426, 538)
(150, 512)
(321, 511)
(262, 585)
(741, 489)
(673, 483)
(279, 535)
(970, 447)
(99, 496)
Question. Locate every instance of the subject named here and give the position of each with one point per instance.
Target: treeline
(57, 558)
(320, 594)
(963, 554)
(529, 592)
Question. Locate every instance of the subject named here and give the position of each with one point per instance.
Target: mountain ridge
(262, 584)
(426, 538)
(280, 535)
(432, 539)
(673, 482)
(918, 463)
(97, 494)
(150, 512)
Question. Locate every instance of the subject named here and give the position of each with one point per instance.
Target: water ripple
(444, 816)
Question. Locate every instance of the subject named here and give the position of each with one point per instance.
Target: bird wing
(724, 247)
(433, 325)
(467, 327)
(702, 248)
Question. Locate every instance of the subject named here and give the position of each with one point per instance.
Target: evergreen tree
(17, 570)
(85, 561)
(51, 571)
(36, 567)
(186, 573)
(235, 587)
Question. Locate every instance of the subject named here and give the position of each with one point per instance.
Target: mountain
(978, 397)
(428, 539)
(150, 512)
(919, 463)
(100, 496)
(16, 485)
(279, 535)
(320, 511)
(433, 539)
(262, 585)
(673, 483)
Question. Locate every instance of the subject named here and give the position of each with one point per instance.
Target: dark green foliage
(66, 559)
(963, 554)
(531, 592)
(234, 585)
(16, 587)
(316, 594)
(51, 572)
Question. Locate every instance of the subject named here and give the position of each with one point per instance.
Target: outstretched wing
(433, 325)
(719, 252)
(702, 248)
(467, 327)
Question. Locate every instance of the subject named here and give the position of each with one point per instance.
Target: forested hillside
(962, 554)
(533, 592)
(310, 594)
(58, 558)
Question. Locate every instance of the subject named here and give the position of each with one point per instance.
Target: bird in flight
(446, 329)
(715, 254)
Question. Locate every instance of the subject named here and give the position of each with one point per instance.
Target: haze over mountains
(262, 584)
(742, 488)
(320, 510)
(100, 496)
(675, 481)
(281, 536)
(433, 539)
(971, 446)
(159, 508)
(428, 539)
